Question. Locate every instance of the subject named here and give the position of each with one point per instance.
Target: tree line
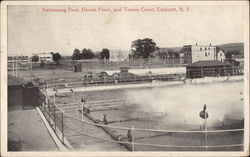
(89, 54)
(140, 49)
(144, 48)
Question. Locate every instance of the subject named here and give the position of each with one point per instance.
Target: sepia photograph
(125, 77)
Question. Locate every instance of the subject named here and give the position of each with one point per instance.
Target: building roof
(207, 63)
(217, 51)
(15, 81)
(200, 45)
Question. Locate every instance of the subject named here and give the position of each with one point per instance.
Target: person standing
(129, 136)
(105, 119)
(82, 104)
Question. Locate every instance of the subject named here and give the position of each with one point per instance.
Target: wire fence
(102, 65)
(54, 117)
(65, 123)
(97, 81)
(109, 80)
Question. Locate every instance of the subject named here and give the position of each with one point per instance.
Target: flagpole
(82, 116)
(133, 144)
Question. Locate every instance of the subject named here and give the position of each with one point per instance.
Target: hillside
(235, 48)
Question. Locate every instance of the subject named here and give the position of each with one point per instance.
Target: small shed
(21, 95)
(202, 69)
(77, 67)
(124, 69)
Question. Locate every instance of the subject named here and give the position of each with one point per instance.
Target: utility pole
(54, 99)
(233, 64)
(205, 123)
(31, 67)
(201, 72)
(133, 144)
(15, 67)
(53, 79)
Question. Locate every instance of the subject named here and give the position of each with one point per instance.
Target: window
(221, 54)
(208, 53)
(209, 48)
(205, 49)
(200, 49)
(205, 54)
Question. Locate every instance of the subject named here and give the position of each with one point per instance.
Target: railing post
(55, 116)
(62, 128)
(49, 112)
(133, 145)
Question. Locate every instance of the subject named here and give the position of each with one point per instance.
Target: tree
(142, 48)
(97, 55)
(56, 57)
(228, 56)
(76, 54)
(35, 58)
(176, 54)
(87, 54)
(105, 54)
(42, 64)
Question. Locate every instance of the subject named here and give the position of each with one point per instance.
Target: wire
(155, 145)
(151, 130)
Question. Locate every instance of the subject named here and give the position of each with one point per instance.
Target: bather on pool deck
(85, 106)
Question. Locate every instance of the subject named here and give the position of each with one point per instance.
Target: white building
(45, 57)
(221, 56)
(194, 53)
(118, 55)
(18, 58)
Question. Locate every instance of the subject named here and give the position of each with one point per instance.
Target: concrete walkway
(27, 132)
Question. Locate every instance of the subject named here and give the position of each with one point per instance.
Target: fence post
(49, 113)
(233, 66)
(133, 144)
(54, 116)
(62, 129)
(201, 72)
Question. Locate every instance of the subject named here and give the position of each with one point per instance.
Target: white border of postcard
(3, 85)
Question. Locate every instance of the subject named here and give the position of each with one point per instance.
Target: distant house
(18, 62)
(220, 56)
(194, 53)
(236, 49)
(238, 59)
(45, 57)
(18, 58)
(118, 55)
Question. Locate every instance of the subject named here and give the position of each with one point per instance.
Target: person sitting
(86, 106)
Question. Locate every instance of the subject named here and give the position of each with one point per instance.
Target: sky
(33, 30)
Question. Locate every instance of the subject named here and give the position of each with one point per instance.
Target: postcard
(125, 78)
